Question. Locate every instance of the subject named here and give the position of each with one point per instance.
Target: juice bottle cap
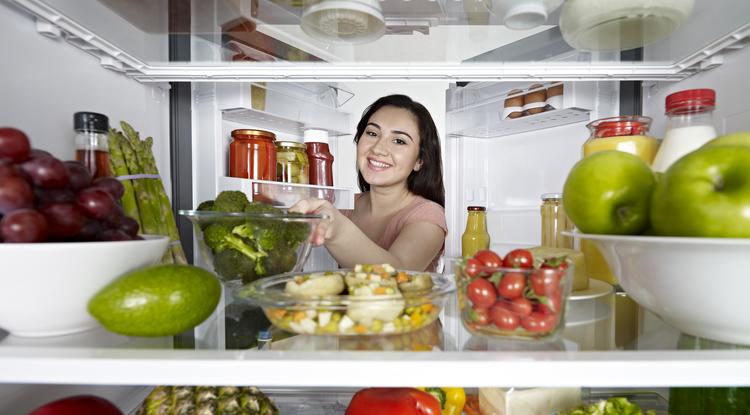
(476, 208)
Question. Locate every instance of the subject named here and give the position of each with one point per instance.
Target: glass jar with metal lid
(291, 162)
(252, 155)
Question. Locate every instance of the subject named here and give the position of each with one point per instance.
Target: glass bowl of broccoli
(245, 240)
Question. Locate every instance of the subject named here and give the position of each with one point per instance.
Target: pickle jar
(291, 162)
(252, 155)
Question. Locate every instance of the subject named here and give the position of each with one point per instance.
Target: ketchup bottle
(321, 161)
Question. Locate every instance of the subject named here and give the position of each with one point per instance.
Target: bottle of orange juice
(628, 133)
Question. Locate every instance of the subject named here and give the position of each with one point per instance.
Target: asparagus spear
(149, 167)
(119, 168)
(149, 211)
(158, 199)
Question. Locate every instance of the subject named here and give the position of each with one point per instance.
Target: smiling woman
(399, 217)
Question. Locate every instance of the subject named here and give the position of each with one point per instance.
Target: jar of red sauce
(252, 155)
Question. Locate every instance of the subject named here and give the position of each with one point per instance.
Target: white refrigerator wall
(729, 80)
(44, 81)
(508, 174)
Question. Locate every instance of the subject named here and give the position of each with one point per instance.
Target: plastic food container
(288, 254)
(514, 303)
(345, 314)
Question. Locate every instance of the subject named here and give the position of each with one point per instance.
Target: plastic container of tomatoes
(516, 297)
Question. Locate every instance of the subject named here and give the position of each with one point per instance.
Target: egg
(513, 104)
(534, 102)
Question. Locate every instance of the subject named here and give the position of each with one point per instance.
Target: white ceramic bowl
(698, 285)
(45, 287)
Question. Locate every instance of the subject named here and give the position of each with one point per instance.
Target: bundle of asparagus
(144, 199)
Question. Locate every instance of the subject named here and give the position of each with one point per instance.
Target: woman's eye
(399, 141)
(371, 133)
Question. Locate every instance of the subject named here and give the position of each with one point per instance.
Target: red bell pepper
(393, 401)
(78, 405)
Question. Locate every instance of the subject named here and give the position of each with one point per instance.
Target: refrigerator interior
(423, 55)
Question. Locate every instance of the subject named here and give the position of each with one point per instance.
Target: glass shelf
(438, 354)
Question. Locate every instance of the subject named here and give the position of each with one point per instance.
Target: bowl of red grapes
(63, 236)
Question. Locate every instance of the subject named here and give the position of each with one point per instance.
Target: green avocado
(162, 300)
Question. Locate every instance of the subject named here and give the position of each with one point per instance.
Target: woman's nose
(381, 146)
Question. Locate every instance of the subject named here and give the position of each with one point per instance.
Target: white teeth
(379, 164)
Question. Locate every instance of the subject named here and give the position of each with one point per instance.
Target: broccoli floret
(231, 264)
(206, 205)
(259, 207)
(213, 236)
(280, 261)
(230, 201)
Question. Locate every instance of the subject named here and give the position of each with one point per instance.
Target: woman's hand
(326, 228)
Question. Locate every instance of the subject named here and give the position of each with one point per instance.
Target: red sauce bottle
(320, 158)
(252, 155)
(92, 147)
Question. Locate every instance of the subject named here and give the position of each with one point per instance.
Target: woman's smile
(377, 165)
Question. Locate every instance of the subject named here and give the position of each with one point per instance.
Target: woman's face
(388, 150)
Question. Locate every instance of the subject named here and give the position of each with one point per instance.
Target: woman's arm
(414, 248)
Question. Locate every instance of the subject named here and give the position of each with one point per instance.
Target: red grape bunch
(43, 199)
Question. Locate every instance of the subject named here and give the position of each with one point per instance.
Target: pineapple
(207, 400)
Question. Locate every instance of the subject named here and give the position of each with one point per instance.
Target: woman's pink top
(419, 210)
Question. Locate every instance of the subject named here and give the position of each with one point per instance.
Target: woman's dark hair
(428, 180)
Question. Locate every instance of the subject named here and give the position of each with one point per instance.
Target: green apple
(740, 138)
(609, 192)
(705, 193)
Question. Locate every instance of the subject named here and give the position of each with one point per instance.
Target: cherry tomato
(519, 258)
(481, 293)
(489, 258)
(471, 268)
(554, 303)
(521, 306)
(544, 281)
(512, 285)
(539, 323)
(503, 318)
(480, 316)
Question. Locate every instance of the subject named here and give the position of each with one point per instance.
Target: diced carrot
(427, 308)
(277, 312)
(402, 277)
(360, 329)
(299, 316)
(380, 290)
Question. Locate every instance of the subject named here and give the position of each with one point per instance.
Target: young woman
(399, 218)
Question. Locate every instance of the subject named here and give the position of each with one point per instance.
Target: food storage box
(517, 303)
(350, 302)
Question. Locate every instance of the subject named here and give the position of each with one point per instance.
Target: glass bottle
(252, 155)
(628, 133)
(475, 237)
(92, 148)
(689, 125)
(319, 157)
(554, 221)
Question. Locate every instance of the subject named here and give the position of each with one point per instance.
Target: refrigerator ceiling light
(345, 21)
(596, 25)
(523, 14)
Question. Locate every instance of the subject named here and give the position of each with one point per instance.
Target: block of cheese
(580, 276)
(534, 401)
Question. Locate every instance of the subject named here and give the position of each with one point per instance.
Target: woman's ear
(418, 165)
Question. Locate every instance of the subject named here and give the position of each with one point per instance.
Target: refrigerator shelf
(439, 354)
(336, 123)
(499, 128)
